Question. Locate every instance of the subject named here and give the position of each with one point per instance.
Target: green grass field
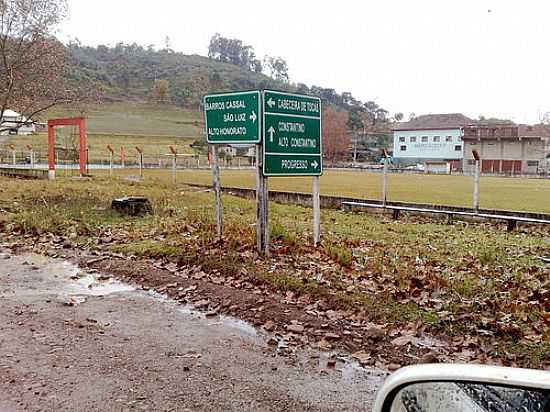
(496, 193)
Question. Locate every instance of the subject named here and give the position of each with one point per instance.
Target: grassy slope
(138, 119)
(152, 127)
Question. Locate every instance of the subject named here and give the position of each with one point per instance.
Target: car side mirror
(465, 388)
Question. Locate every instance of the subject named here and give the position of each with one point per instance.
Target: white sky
(489, 57)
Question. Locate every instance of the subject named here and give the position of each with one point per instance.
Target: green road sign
(292, 135)
(233, 117)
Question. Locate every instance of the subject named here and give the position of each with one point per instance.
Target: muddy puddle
(69, 283)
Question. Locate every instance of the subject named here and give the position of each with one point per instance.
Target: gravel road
(71, 341)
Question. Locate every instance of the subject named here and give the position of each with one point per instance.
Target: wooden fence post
(262, 205)
(216, 186)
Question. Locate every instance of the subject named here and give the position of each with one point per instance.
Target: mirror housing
(522, 379)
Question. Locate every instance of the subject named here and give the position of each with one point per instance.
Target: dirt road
(118, 349)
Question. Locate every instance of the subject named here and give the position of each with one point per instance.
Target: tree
(160, 92)
(335, 134)
(233, 51)
(33, 63)
(278, 68)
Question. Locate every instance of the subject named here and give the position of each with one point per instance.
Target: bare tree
(33, 63)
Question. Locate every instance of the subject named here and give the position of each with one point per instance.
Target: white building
(15, 123)
(430, 137)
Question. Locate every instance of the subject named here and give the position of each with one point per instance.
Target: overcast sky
(488, 57)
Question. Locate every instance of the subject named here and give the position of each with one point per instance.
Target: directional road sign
(292, 135)
(233, 117)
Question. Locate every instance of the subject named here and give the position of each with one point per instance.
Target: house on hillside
(15, 123)
(507, 148)
(431, 137)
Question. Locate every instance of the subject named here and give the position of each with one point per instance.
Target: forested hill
(134, 72)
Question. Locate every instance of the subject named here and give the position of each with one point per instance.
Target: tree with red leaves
(335, 133)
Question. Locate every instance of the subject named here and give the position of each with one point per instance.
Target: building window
(458, 148)
(449, 139)
(437, 139)
(424, 139)
(401, 139)
(471, 162)
(533, 163)
(413, 139)
(403, 148)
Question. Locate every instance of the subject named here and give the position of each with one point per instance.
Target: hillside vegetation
(129, 72)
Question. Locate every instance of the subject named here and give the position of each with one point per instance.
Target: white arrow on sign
(253, 116)
(314, 164)
(271, 132)
(271, 102)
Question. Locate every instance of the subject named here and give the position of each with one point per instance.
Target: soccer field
(520, 194)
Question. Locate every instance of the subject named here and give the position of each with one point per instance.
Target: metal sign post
(122, 157)
(316, 203)
(111, 161)
(174, 163)
(13, 154)
(140, 161)
(31, 156)
(385, 178)
(477, 167)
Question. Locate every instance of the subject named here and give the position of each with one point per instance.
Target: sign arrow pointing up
(253, 116)
(271, 103)
(271, 132)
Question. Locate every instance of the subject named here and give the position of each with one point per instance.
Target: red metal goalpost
(76, 121)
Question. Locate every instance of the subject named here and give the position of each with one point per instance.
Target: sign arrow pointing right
(314, 164)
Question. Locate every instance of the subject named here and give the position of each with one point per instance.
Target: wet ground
(71, 340)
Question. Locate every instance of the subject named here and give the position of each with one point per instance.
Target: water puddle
(88, 284)
(74, 285)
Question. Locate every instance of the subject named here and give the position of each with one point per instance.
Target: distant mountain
(129, 72)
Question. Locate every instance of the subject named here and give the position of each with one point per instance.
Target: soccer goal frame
(75, 121)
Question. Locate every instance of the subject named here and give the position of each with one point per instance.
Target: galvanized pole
(316, 203)
(385, 182)
(141, 165)
(31, 154)
(476, 184)
(262, 205)
(13, 156)
(174, 165)
(216, 186)
(111, 165)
